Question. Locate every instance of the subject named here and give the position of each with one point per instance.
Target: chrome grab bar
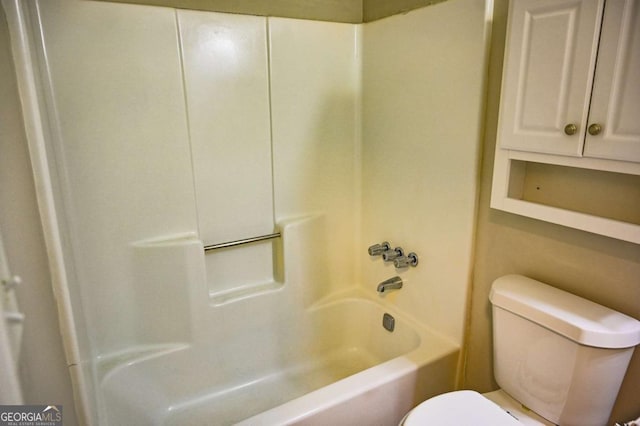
(243, 241)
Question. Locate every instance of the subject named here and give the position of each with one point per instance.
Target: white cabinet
(570, 99)
(615, 102)
(550, 56)
(547, 104)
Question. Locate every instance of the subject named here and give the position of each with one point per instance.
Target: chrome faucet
(391, 283)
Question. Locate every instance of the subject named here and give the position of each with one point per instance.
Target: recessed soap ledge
(297, 254)
(228, 296)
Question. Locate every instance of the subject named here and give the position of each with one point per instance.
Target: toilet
(559, 359)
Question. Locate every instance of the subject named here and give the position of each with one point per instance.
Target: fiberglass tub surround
(259, 368)
(166, 131)
(269, 355)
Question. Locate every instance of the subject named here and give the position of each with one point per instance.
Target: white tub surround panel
(121, 146)
(225, 60)
(315, 88)
(423, 84)
(227, 91)
(208, 357)
(168, 277)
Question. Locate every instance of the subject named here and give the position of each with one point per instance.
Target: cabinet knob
(594, 129)
(570, 129)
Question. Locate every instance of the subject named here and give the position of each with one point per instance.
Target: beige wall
(352, 11)
(598, 268)
(322, 10)
(43, 370)
(377, 9)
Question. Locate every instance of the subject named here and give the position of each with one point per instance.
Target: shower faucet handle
(403, 261)
(378, 249)
(390, 255)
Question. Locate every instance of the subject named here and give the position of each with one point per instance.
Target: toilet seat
(459, 408)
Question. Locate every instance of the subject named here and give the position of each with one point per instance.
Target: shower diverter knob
(390, 255)
(403, 261)
(378, 249)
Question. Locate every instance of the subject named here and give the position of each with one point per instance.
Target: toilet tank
(560, 355)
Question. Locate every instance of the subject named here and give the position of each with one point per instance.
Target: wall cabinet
(570, 97)
(563, 95)
(615, 99)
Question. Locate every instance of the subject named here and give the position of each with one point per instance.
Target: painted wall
(601, 269)
(43, 370)
(351, 11)
(423, 82)
(324, 10)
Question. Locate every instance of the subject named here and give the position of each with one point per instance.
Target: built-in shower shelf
(239, 270)
(228, 296)
(107, 363)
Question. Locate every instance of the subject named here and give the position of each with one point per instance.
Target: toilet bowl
(471, 408)
(459, 408)
(562, 356)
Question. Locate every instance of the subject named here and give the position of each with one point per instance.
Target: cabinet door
(549, 62)
(615, 104)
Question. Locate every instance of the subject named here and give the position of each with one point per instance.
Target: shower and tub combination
(209, 184)
(333, 361)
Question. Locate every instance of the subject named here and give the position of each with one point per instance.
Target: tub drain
(388, 322)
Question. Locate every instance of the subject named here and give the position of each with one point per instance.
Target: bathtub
(333, 364)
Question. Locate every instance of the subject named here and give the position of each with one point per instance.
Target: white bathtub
(335, 364)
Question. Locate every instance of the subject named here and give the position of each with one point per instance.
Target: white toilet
(558, 358)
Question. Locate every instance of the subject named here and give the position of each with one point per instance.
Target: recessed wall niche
(599, 193)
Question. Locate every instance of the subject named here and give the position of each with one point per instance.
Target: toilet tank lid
(578, 319)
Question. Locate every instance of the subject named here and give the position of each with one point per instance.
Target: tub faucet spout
(391, 283)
